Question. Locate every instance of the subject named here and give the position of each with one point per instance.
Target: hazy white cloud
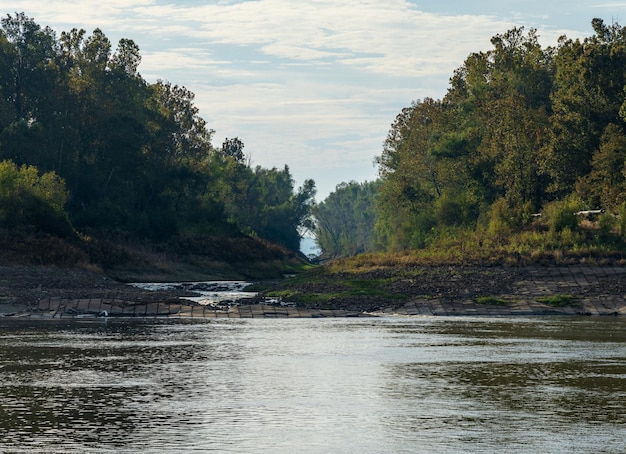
(380, 35)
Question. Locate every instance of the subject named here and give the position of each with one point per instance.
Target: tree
(29, 58)
(605, 185)
(136, 157)
(264, 203)
(233, 148)
(445, 161)
(588, 93)
(512, 107)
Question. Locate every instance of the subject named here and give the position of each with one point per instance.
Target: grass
(535, 244)
(491, 301)
(557, 300)
(317, 287)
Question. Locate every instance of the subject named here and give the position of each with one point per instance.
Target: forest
(526, 141)
(87, 145)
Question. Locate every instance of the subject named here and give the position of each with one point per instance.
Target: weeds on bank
(557, 300)
(591, 242)
(491, 301)
(341, 289)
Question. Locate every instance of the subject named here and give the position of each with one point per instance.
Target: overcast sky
(314, 84)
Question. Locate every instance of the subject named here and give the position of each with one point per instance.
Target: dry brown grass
(534, 245)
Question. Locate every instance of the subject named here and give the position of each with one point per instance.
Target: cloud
(384, 36)
(610, 5)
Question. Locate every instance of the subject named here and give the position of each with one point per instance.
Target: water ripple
(368, 386)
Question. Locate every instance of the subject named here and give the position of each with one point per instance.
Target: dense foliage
(30, 200)
(522, 130)
(135, 158)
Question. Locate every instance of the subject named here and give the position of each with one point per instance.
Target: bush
(455, 210)
(503, 217)
(607, 224)
(491, 301)
(562, 214)
(32, 202)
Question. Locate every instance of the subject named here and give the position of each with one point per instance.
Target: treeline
(522, 130)
(84, 137)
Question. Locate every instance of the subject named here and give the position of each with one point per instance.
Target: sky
(312, 84)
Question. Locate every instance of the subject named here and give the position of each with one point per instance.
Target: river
(367, 385)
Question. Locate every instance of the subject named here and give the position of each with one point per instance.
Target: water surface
(445, 385)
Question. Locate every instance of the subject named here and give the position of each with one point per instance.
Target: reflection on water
(343, 385)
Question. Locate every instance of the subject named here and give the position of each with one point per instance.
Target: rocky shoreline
(48, 292)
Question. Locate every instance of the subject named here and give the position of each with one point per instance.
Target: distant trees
(344, 221)
(136, 158)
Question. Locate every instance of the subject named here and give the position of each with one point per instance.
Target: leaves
(137, 158)
(521, 128)
(28, 199)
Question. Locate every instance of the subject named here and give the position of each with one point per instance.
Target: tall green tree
(409, 175)
(588, 93)
(265, 202)
(509, 88)
(605, 185)
(29, 60)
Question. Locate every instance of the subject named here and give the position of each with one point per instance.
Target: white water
(210, 293)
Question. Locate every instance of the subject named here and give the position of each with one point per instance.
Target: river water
(367, 385)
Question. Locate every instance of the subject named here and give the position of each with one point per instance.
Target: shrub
(562, 214)
(607, 223)
(504, 217)
(32, 201)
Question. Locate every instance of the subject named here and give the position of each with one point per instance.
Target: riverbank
(464, 290)
(48, 292)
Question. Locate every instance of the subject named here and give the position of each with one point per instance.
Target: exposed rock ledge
(39, 292)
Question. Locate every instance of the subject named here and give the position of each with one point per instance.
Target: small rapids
(210, 293)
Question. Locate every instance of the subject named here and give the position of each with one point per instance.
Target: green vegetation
(30, 200)
(491, 300)
(506, 168)
(87, 145)
(558, 300)
(345, 220)
(500, 169)
(320, 286)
